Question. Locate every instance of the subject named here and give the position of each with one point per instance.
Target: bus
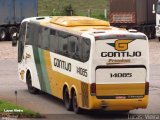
(85, 62)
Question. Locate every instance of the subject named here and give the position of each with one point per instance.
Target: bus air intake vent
(72, 21)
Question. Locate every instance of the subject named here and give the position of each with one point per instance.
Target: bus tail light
(93, 89)
(146, 88)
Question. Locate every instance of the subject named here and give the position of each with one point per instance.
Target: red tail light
(93, 89)
(147, 88)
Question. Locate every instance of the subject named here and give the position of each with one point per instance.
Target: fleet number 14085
(119, 75)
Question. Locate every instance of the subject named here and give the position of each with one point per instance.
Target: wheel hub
(2, 34)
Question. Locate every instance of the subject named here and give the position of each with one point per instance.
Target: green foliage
(79, 7)
(5, 105)
(65, 11)
(99, 16)
(68, 10)
(56, 13)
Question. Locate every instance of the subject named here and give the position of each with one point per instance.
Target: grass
(80, 7)
(5, 105)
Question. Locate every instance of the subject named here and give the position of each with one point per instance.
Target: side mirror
(15, 37)
(153, 10)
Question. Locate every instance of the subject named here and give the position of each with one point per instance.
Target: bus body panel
(31, 61)
(122, 71)
(117, 104)
(29, 64)
(118, 67)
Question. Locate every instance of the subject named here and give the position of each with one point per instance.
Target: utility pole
(16, 96)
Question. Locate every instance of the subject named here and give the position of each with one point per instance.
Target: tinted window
(45, 38)
(74, 48)
(28, 34)
(40, 39)
(158, 7)
(86, 44)
(21, 41)
(63, 43)
(59, 42)
(53, 41)
(32, 34)
(35, 34)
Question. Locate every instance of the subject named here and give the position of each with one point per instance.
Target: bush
(99, 16)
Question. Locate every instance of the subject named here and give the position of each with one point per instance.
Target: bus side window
(45, 38)
(86, 44)
(21, 41)
(53, 41)
(28, 35)
(74, 48)
(40, 37)
(33, 33)
(63, 43)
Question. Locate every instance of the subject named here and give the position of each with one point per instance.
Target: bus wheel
(12, 31)
(76, 108)
(3, 33)
(31, 89)
(66, 99)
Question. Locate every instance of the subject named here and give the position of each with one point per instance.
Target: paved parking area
(154, 50)
(7, 51)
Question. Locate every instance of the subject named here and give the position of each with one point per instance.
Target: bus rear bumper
(118, 104)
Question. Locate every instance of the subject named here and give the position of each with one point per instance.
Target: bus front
(120, 73)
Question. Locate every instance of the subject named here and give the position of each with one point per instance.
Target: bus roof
(74, 21)
(76, 24)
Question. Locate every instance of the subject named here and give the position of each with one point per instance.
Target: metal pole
(16, 96)
(105, 13)
(89, 12)
(71, 13)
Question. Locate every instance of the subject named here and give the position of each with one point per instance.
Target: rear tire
(153, 31)
(67, 100)
(31, 89)
(14, 43)
(148, 32)
(12, 31)
(76, 108)
(3, 33)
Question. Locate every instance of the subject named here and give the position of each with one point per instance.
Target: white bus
(85, 62)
